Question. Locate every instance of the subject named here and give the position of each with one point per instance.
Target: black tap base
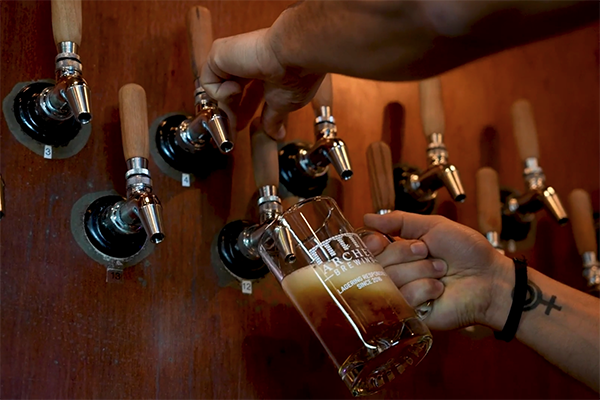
(404, 200)
(106, 241)
(293, 177)
(38, 126)
(232, 258)
(200, 163)
(514, 226)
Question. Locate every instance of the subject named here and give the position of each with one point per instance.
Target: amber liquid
(369, 331)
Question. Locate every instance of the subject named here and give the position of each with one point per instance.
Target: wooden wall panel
(169, 331)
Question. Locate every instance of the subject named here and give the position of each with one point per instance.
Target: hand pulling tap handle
(199, 25)
(134, 121)
(66, 21)
(324, 97)
(488, 205)
(381, 177)
(265, 161)
(208, 115)
(432, 108)
(581, 214)
(524, 130)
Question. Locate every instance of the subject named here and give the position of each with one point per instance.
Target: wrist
(501, 287)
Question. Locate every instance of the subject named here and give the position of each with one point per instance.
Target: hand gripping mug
(369, 331)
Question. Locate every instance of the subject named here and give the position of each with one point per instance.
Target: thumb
(403, 224)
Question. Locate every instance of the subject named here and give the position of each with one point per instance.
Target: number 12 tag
(247, 287)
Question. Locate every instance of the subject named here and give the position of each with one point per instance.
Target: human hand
(473, 266)
(235, 62)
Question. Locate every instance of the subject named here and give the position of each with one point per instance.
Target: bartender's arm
(560, 323)
(383, 40)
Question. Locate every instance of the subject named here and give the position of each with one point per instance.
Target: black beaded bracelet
(516, 309)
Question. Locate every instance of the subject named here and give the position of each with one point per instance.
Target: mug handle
(422, 310)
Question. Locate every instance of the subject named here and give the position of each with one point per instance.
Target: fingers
(251, 100)
(245, 56)
(402, 251)
(405, 225)
(273, 121)
(418, 292)
(403, 274)
(231, 64)
(376, 242)
(242, 107)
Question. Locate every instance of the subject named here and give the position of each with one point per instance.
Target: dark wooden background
(169, 331)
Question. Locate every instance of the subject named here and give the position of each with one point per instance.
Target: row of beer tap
(505, 216)
(50, 116)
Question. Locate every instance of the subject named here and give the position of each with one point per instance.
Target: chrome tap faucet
(141, 209)
(538, 195)
(328, 148)
(54, 114)
(70, 96)
(304, 166)
(194, 144)
(440, 173)
(236, 247)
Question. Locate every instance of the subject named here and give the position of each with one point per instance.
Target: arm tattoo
(535, 297)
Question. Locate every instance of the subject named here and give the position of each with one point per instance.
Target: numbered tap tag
(247, 287)
(185, 180)
(114, 275)
(48, 152)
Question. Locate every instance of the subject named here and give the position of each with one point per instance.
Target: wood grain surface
(169, 330)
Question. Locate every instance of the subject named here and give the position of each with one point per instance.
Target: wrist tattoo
(535, 297)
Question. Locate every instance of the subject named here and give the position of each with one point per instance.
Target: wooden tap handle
(524, 129)
(199, 25)
(265, 157)
(432, 107)
(488, 201)
(381, 176)
(66, 21)
(324, 96)
(582, 220)
(134, 121)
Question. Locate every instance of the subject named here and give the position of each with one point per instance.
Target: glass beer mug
(357, 312)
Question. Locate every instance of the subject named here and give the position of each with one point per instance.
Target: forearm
(368, 39)
(405, 40)
(560, 323)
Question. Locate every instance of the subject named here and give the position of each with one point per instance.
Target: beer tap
(304, 167)
(118, 229)
(54, 113)
(189, 144)
(518, 210)
(489, 208)
(416, 191)
(381, 178)
(582, 222)
(236, 246)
